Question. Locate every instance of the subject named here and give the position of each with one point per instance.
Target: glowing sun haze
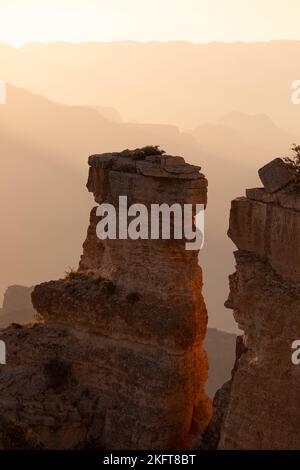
(23, 21)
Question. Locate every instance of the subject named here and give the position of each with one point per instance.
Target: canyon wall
(259, 408)
(116, 360)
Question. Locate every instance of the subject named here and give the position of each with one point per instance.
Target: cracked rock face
(117, 361)
(262, 403)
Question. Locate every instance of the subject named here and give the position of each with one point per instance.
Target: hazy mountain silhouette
(176, 82)
(44, 148)
(17, 306)
(108, 113)
(243, 138)
(220, 347)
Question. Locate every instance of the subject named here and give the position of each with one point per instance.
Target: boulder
(276, 175)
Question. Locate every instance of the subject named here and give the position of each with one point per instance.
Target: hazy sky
(22, 21)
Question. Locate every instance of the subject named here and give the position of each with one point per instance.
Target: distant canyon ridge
(224, 106)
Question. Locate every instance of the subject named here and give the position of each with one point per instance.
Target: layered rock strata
(260, 405)
(117, 361)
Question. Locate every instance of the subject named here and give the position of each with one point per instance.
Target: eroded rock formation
(117, 360)
(259, 408)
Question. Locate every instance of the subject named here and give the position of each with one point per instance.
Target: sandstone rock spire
(117, 361)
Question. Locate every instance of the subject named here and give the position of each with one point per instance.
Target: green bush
(73, 274)
(16, 326)
(142, 153)
(294, 161)
(107, 287)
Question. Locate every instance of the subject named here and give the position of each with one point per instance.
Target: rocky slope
(117, 361)
(259, 407)
(219, 345)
